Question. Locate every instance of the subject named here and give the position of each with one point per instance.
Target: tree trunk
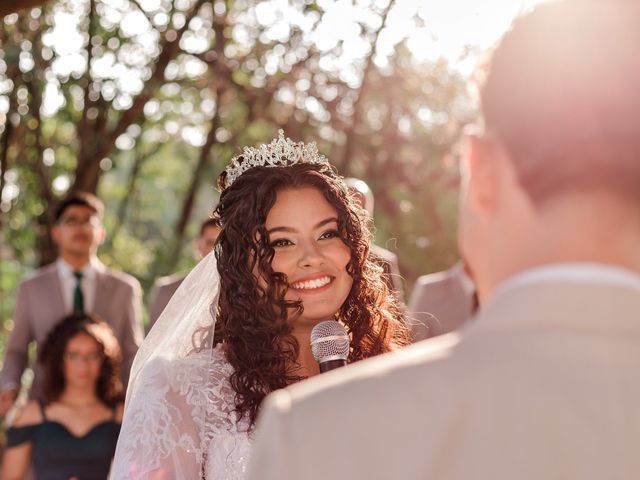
(196, 181)
(351, 132)
(102, 143)
(123, 207)
(10, 6)
(222, 79)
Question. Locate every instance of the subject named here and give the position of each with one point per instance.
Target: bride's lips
(313, 283)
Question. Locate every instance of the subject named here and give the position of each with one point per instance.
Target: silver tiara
(281, 152)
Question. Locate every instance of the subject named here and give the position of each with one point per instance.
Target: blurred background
(145, 101)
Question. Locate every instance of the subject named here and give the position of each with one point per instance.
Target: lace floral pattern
(227, 434)
(186, 426)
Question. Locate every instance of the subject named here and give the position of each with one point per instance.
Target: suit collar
(576, 273)
(465, 281)
(557, 304)
(90, 269)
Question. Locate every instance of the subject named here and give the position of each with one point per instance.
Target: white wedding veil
(164, 433)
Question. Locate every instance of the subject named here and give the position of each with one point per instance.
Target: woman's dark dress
(59, 455)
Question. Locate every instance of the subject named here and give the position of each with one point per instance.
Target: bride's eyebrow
(293, 230)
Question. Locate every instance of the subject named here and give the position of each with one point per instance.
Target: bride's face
(303, 231)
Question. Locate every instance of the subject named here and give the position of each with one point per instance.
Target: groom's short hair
(561, 95)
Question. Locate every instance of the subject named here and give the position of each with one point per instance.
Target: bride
(293, 251)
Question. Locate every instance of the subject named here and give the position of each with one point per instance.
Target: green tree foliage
(145, 101)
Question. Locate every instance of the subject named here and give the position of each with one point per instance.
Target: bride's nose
(310, 255)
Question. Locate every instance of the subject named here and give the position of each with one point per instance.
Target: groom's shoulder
(395, 371)
(361, 409)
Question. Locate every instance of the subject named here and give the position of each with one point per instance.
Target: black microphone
(329, 345)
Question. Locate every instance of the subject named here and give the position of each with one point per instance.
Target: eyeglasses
(75, 357)
(74, 222)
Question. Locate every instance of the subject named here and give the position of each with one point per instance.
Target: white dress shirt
(87, 283)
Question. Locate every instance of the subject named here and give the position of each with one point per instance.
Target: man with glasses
(165, 287)
(77, 281)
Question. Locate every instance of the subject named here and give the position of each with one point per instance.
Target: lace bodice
(188, 428)
(229, 442)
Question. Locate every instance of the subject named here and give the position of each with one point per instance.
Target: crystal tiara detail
(281, 152)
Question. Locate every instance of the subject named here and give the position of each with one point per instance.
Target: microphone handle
(332, 365)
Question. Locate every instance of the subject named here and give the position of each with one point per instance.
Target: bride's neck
(308, 366)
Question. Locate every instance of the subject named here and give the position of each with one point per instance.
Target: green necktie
(78, 298)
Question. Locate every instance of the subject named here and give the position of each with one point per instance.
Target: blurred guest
(441, 302)
(383, 257)
(165, 287)
(72, 432)
(544, 382)
(76, 282)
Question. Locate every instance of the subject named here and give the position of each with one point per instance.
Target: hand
(7, 397)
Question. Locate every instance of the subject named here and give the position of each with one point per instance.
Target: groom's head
(561, 141)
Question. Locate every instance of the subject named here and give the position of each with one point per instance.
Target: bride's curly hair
(253, 320)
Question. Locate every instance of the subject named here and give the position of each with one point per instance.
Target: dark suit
(40, 305)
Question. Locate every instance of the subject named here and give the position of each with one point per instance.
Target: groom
(544, 383)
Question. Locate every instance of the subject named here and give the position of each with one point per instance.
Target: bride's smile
(303, 231)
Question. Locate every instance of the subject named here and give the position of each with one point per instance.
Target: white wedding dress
(228, 451)
(179, 420)
(190, 428)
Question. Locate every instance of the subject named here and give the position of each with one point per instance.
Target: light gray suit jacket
(40, 306)
(162, 291)
(544, 385)
(440, 303)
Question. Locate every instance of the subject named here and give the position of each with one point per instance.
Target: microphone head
(329, 341)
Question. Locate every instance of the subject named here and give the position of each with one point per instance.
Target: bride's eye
(280, 242)
(330, 234)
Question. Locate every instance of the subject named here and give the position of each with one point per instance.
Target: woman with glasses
(72, 431)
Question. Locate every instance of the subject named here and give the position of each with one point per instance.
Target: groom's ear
(482, 172)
